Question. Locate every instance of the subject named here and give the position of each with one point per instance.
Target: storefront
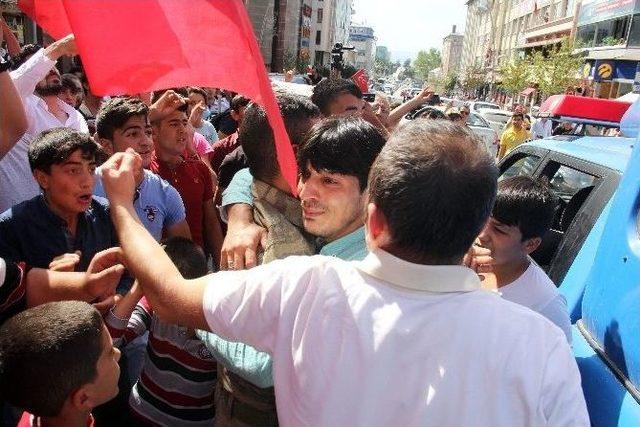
(611, 78)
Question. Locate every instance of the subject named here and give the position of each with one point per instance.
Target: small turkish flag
(134, 46)
(360, 79)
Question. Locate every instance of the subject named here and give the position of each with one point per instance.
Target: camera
(337, 52)
(369, 97)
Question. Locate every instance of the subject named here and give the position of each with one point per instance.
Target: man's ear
(42, 178)
(107, 145)
(531, 244)
(81, 400)
(377, 228)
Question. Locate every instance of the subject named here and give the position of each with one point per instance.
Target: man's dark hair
(256, 137)
(343, 145)
(526, 203)
(47, 353)
(71, 82)
(435, 184)
(25, 53)
(54, 146)
(188, 257)
(238, 102)
(517, 115)
(199, 91)
(114, 114)
(325, 92)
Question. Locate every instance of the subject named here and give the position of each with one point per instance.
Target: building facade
(364, 41)
(330, 23)
(24, 28)
(452, 46)
(609, 33)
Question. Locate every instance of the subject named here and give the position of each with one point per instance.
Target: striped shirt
(179, 376)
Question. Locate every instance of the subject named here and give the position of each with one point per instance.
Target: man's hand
(119, 177)
(64, 46)
(423, 96)
(104, 273)
(196, 114)
(240, 246)
(65, 262)
(191, 143)
(479, 259)
(165, 105)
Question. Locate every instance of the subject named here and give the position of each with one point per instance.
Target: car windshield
(498, 118)
(476, 120)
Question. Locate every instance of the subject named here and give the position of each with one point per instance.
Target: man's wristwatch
(4, 65)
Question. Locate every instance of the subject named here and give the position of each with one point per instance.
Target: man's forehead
(141, 120)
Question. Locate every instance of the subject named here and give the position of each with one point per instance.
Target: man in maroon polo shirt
(190, 177)
(226, 145)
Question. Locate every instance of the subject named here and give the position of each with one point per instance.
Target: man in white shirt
(404, 337)
(521, 216)
(38, 84)
(542, 128)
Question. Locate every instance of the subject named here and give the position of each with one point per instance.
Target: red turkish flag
(360, 79)
(49, 14)
(134, 46)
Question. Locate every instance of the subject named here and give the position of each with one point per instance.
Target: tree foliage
(427, 61)
(516, 75)
(557, 70)
(472, 78)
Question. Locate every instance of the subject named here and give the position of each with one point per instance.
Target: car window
(475, 120)
(525, 165)
(566, 182)
(497, 118)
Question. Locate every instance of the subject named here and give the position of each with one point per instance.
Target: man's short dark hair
(187, 256)
(325, 92)
(71, 82)
(343, 145)
(435, 184)
(238, 102)
(519, 115)
(47, 353)
(256, 136)
(526, 203)
(54, 146)
(25, 53)
(114, 114)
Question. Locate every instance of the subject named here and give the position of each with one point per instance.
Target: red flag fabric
(360, 79)
(49, 14)
(148, 45)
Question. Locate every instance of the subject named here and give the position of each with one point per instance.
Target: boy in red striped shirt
(179, 375)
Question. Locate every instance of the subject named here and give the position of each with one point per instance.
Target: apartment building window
(608, 33)
(318, 37)
(320, 16)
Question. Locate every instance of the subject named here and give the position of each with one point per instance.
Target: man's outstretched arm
(173, 298)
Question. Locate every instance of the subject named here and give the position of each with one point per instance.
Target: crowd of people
(156, 268)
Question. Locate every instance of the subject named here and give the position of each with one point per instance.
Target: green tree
(516, 75)
(557, 70)
(472, 78)
(450, 82)
(427, 61)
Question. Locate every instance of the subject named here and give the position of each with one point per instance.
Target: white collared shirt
(384, 342)
(542, 129)
(16, 180)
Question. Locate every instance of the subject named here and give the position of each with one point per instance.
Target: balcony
(547, 33)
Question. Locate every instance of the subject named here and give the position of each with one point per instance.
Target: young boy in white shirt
(522, 214)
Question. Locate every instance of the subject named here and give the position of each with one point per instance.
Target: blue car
(592, 252)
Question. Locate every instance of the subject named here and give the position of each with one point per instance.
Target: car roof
(611, 152)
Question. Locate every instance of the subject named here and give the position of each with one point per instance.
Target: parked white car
(496, 118)
(476, 106)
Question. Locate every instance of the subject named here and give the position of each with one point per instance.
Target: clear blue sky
(407, 26)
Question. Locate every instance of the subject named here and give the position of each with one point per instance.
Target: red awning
(528, 91)
(604, 110)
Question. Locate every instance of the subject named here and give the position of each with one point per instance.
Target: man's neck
(92, 102)
(171, 160)
(54, 108)
(75, 419)
(345, 232)
(507, 273)
(70, 218)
